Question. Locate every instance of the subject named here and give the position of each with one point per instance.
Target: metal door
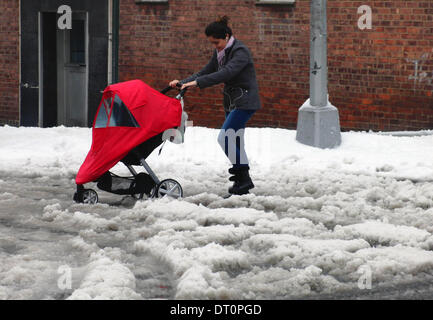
(72, 72)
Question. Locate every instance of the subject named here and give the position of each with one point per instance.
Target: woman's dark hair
(219, 28)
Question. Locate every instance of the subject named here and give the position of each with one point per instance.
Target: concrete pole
(318, 54)
(318, 121)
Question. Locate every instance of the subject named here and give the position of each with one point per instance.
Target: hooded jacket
(238, 74)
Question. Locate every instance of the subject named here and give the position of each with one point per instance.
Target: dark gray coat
(238, 74)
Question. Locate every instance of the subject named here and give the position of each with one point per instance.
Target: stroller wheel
(90, 196)
(168, 187)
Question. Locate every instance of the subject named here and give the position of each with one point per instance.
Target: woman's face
(219, 44)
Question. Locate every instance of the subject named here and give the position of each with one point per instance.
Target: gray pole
(318, 54)
(318, 121)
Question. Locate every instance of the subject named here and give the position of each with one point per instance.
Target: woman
(232, 64)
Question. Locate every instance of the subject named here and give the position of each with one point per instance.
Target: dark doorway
(50, 98)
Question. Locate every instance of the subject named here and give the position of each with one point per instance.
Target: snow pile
(379, 233)
(106, 278)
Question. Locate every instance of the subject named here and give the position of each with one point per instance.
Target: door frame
(41, 71)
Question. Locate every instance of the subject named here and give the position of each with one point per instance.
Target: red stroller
(132, 120)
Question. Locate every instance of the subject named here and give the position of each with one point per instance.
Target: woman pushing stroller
(231, 64)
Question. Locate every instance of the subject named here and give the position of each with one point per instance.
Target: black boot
(236, 172)
(242, 180)
(235, 178)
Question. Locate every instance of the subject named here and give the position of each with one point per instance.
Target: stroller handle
(167, 89)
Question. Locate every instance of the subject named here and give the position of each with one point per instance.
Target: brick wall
(371, 72)
(9, 62)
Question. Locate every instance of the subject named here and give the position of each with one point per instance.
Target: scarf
(222, 53)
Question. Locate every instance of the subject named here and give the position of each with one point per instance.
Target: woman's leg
(231, 136)
(231, 140)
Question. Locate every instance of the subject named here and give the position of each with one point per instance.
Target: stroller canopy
(130, 113)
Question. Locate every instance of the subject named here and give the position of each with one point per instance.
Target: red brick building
(379, 78)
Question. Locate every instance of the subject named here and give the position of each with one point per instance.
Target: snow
(316, 222)
(106, 279)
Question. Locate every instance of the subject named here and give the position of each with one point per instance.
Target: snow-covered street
(318, 224)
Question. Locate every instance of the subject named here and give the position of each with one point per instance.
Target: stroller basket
(142, 183)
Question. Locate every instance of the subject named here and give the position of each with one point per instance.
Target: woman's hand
(173, 83)
(189, 84)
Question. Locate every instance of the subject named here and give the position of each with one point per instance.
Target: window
(120, 116)
(77, 43)
(104, 112)
(114, 114)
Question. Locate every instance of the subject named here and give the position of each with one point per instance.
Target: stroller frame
(166, 187)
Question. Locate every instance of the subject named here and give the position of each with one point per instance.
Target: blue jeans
(231, 136)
